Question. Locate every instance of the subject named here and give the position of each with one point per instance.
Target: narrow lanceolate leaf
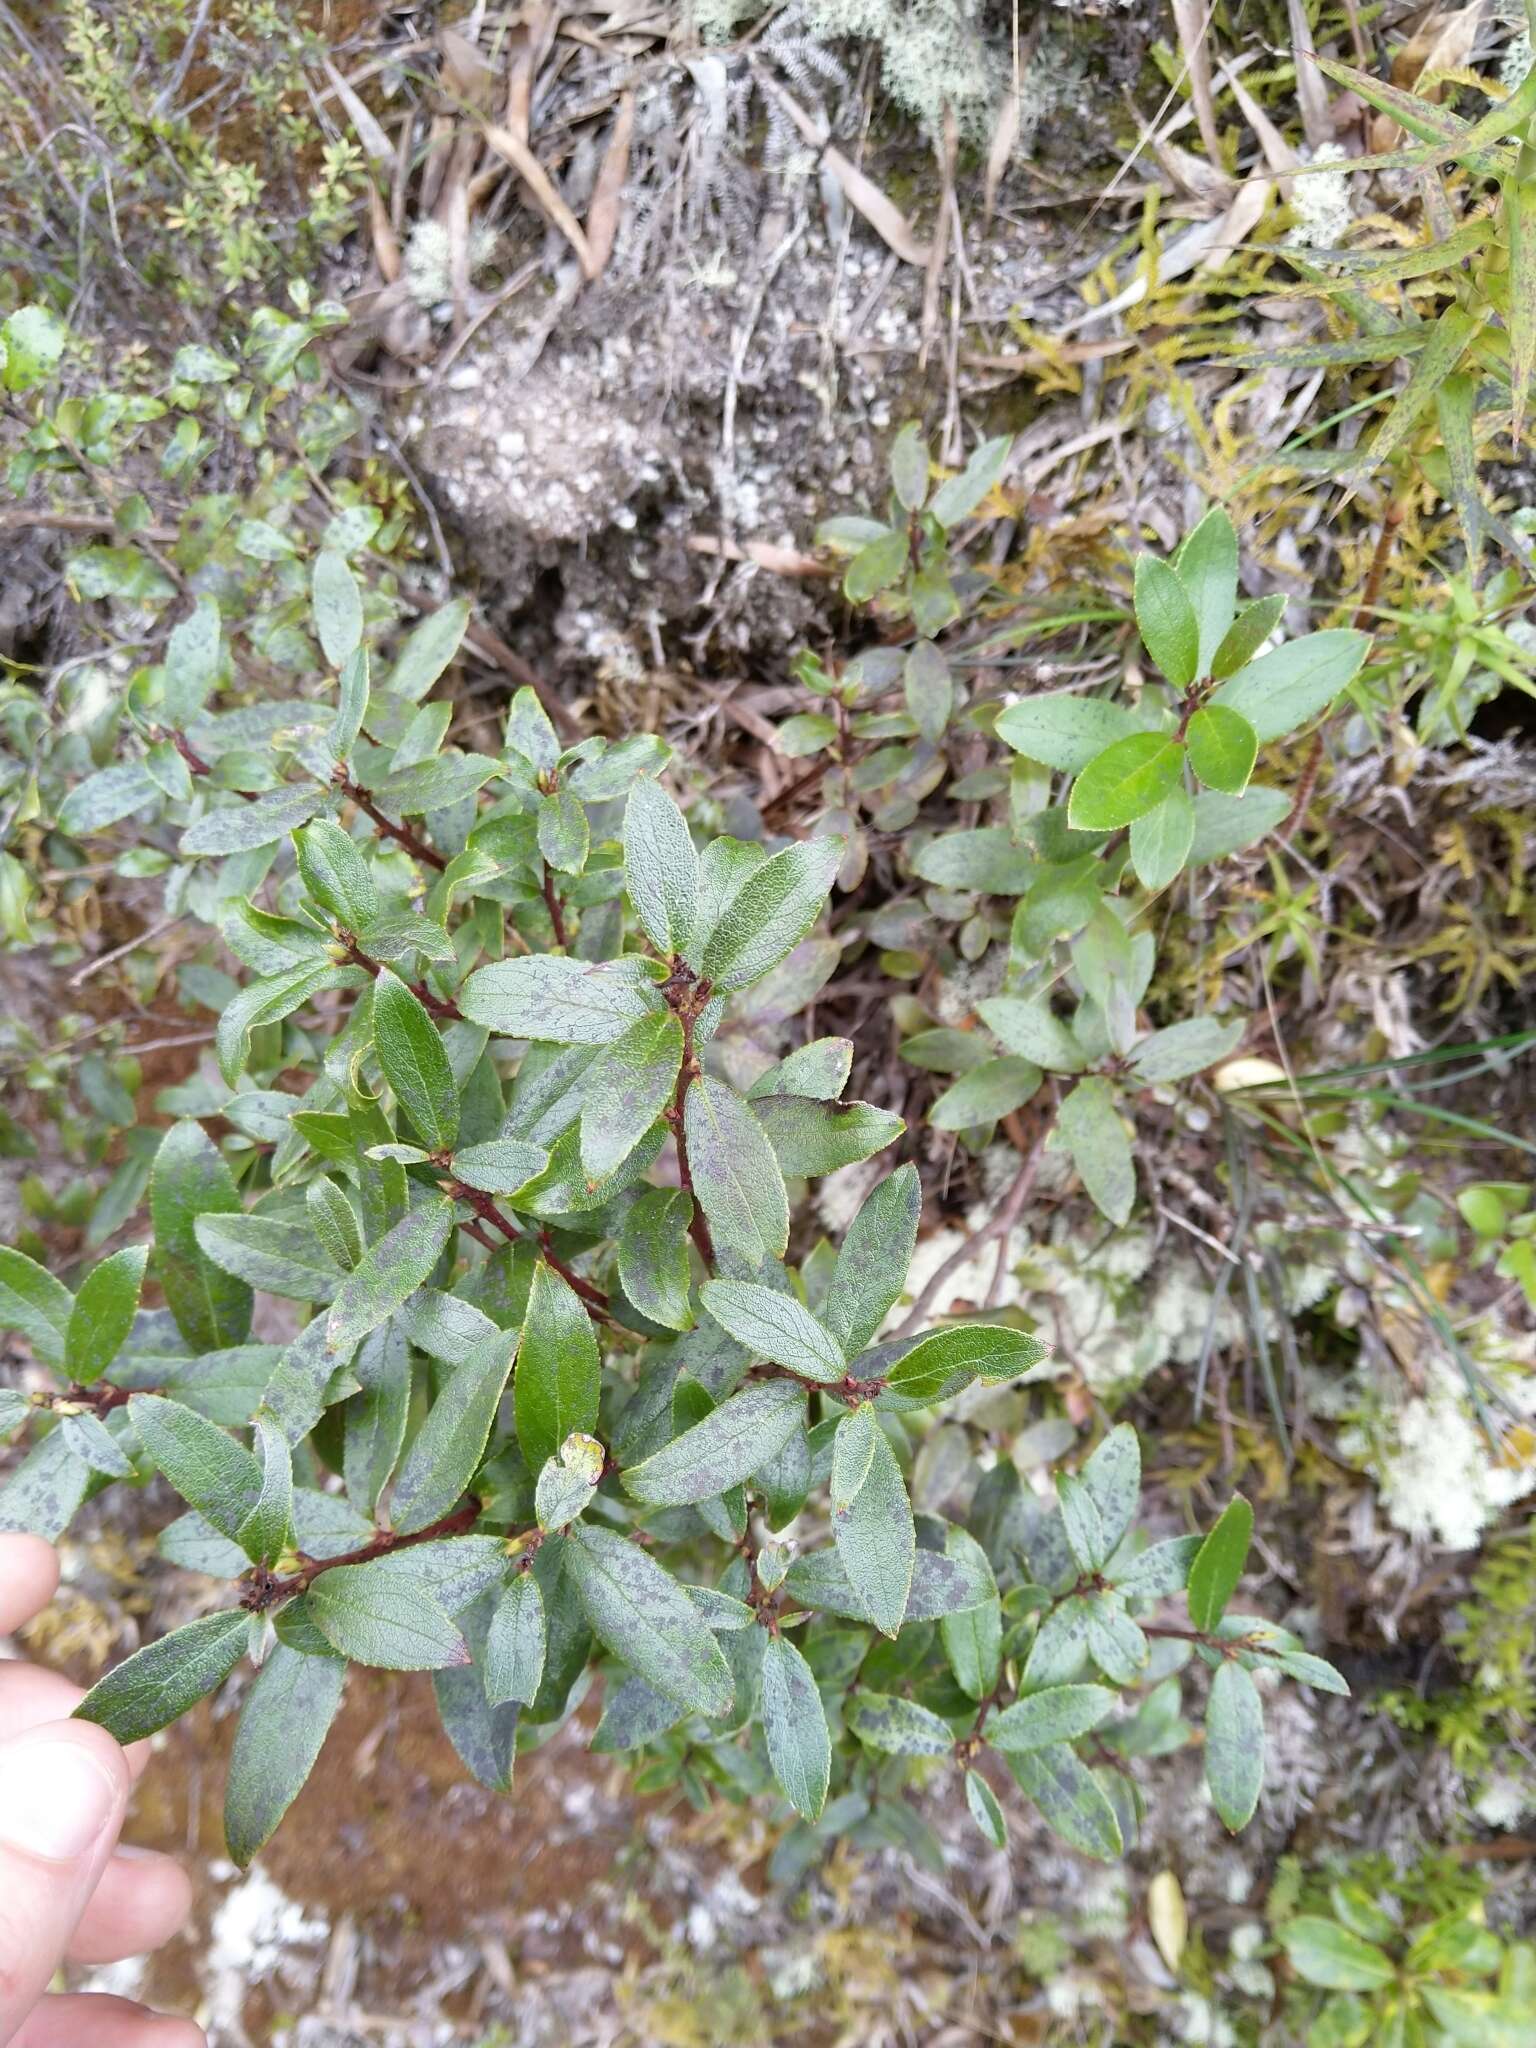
(1520, 220)
(377, 1615)
(1080, 1522)
(337, 604)
(795, 1728)
(1070, 1798)
(772, 913)
(564, 836)
(1186, 1048)
(283, 1725)
(1223, 747)
(643, 1616)
(559, 1376)
(1291, 684)
(210, 1470)
(1125, 782)
(335, 1223)
(950, 1359)
(501, 1166)
(394, 1268)
(661, 869)
(985, 1810)
(1112, 1480)
(1206, 565)
(158, 1683)
(103, 1314)
(627, 1088)
(1034, 1031)
(736, 1178)
(189, 1179)
(514, 1648)
(1090, 1128)
(872, 1260)
(1234, 1745)
(1247, 634)
(442, 1460)
(267, 1529)
(485, 1736)
(1219, 1564)
(1448, 342)
(973, 1638)
(1059, 1714)
(776, 1327)
(36, 1304)
(415, 1062)
(1161, 839)
(285, 1259)
(336, 874)
(728, 1446)
(570, 1002)
(653, 1257)
(876, 1539)
(241, 828)
(899, 1727)
(1166, 620)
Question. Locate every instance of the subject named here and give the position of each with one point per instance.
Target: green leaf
(810, 1139)
(736, 1178)
(1219, 1564)
(818, 1071)
(1070, 1798)
(336, 874)
(559, 1375)
(337, 604)
(929, 689)
(375, 1420)
(447, 1451)
(1223, 747)
(386, 1614)
(501, 1166)
(352, 704)
(105, 797)
(626, 1090)
(42, 1493)
(241, 828)
(1061, 1713)
(898, 1727)
(1313, 1671)
(1125, 782)
(1206, 566)
(564, 839)
(415, 1062)
(572, 1002)
(1247, 634)
(973, 1639)
(872, 1261)
(1090, 1128)
(733, 1441)
(434, 785)
(267, 1530)
(949, 1359)
(641, 1614)
(795, 1728)
(1112, 1479)
(775, 1326)
(986, 1093)
(985, 1810)
(771, 913)
(1234, 1745)
(661, 869)
(118, 572)
(530, 732)
(874, 1532)
(158, 1683)
(567, 1483)
(987, 859)
(1327, 1954)
(1063, 732)
(1160, 1569)
(1166, 620)
(191, 662)
(1184, 1049)
(1080, 1523)
(394, 1268)
(334, 1222)
(653, 1257)
(33, 339)
(876, 567)
(1033, 1031)
(909, 467)
(208, 1469)
(1161, 839)
(32, 1301)
(1291, 684)
(1231, 824)
(283, 1725)
(429, 647)
(515, 1646)
(278, 1258)
(964, 494)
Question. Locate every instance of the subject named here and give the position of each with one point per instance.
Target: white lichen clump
(1439, 1477)
(427, 263)
(1320, 202)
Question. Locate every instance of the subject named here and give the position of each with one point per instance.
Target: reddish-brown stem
(402, 835)
(554, 906)
(267, 1589)
(687, 998)
(436, 1004)
(100, 1399)
(488, 1213)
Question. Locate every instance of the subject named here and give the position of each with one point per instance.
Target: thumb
(63, 1790)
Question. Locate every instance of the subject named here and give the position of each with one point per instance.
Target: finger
(29, 1578)
(29, 1696)
(69, 2022)
(142, 1900)
(63, 1789)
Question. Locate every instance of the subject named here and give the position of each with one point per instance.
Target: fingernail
(55, 1799)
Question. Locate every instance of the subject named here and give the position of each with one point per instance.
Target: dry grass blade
(607, 207)
(1311, 95)
(386, 245)
(545, 193)
(1192, 19)
(862, 193)
(1443, 42)
(376, 145)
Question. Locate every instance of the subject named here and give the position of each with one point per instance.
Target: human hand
(67, 1892)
